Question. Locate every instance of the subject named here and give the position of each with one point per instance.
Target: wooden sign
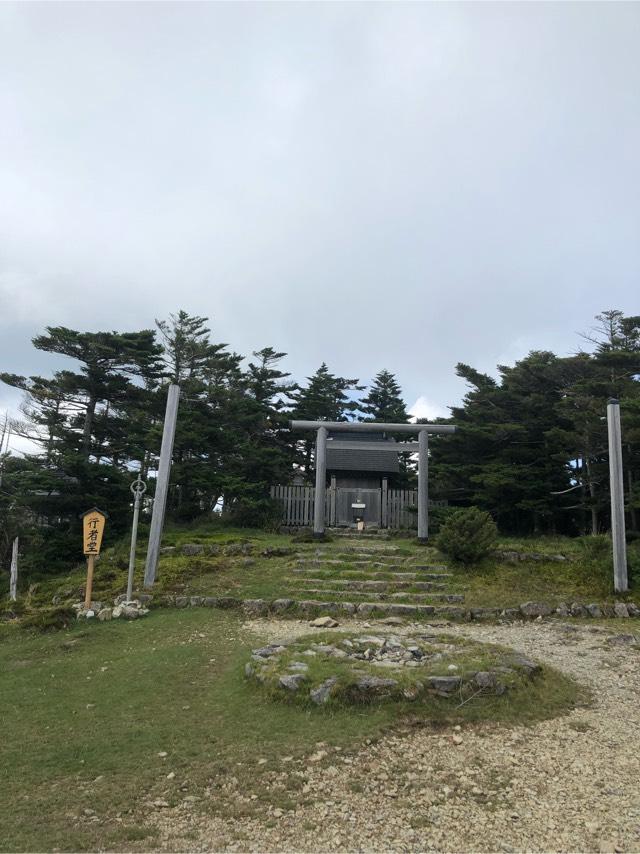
(92, 530)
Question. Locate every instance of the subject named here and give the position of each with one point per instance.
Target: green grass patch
(88, 714)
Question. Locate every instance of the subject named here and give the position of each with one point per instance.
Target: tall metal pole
(321, 482)
(162, 486)
(423, 486)
(138, 487)
(13, 577)
(620, 580)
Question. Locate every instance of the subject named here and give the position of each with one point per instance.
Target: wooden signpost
(92, 530)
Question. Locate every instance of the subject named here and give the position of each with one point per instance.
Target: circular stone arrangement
(356, 668)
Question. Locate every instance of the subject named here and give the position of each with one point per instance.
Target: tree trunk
(633, 513)
(88, 425)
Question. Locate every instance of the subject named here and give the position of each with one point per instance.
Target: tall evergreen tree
(384, 401)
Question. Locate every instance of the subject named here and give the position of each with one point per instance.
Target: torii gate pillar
(321, 483)
(423, 486)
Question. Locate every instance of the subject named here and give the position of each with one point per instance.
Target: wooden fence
(399, 506)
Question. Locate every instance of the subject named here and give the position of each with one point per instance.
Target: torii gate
(421, 447)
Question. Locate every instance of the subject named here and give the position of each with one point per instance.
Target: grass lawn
(95, 718)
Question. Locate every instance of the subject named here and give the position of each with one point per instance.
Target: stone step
(365, 584)
(417, 598)
(376, 560)
(391, 575)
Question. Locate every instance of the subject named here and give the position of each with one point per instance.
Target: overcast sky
(374, 185)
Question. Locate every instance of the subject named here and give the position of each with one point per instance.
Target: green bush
(468, 535)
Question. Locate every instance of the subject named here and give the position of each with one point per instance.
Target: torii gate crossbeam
(421, 447)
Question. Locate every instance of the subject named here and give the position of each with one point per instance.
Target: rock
(594, 610)
(279, 606)
(530, 667)
(324, 623)
(319, 756)
(616, 640)
(129, 612)
(167, 550)
(255, 607)
(268, 651)
(563, 610)
(117, 612)
(213, 549)
(620, 609)
(196, 601)
(633, 609)
(181, 601)
(375, 685)
(510, 614)
(451, 613)
(444, 685)
(347, 607)
(293, 682)
(90, 614)
(307, 606)
(409, 610)
(486, 680)
(210, 601)
(321, 694)
(457, 739)
(393, 621)
(105, 614)
(228, 602)
(192, 549)
(535, 609)
(577, 610)
(484, 613)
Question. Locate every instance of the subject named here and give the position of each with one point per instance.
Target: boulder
(577, 610)
(620, 609)
(105, 614)
(324, 623)
(196, 601)
(210, 601)
(117, 612)
(633, 609)
(347, 607)
(321, 694)
(510, 614)
(228, 602)
(535, 609)
(129, 612)
(167, 550)
(181, 601)
(594, 610)
(563, 610)
(485, 679)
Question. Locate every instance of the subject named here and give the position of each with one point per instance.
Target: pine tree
(384, 402)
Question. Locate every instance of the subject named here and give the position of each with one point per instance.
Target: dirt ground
(569, 784)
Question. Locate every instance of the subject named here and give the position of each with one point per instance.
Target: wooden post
(321, 482)
(423, 486)
(162, 486)
(620, 580)
(384, 522)
(332, 502)
(13, 578)
(91, 559)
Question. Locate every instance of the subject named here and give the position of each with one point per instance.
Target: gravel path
(570, 784)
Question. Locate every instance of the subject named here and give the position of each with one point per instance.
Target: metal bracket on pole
(162, 486)
(138, 487)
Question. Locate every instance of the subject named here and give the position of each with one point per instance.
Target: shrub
(468, 535)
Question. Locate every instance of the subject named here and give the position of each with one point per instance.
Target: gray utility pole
(138, 487)
(13, 578)
(162, 486)
(620, 580)
(423, 486)
(321, 476)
